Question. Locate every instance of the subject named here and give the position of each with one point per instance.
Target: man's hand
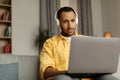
(50, 72)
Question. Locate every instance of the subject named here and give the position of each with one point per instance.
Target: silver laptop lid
(94, 55)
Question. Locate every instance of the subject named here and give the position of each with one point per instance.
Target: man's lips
(70, 30)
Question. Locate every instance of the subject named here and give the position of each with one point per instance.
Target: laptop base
(86, 75)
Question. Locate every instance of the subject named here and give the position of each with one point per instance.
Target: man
(55, 53)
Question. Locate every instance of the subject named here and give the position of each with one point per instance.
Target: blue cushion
(9, 71)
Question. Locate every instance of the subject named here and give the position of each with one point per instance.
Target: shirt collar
(63, 37)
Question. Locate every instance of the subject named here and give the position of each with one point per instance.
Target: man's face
(68, 23)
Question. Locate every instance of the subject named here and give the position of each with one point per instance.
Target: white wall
(111, 16)
(97, 17)
(71, 3)
(25, 17)
(106, 17)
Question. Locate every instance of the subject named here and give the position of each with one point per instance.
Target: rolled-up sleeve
(46, 58)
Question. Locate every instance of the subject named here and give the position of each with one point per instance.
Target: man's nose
(69, 24)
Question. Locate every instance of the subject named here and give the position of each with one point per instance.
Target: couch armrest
(28, 65)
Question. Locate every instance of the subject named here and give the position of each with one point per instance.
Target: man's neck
(67, 37)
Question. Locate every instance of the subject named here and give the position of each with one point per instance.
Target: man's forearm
(50, 72)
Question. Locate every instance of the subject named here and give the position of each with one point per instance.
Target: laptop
(94, 55)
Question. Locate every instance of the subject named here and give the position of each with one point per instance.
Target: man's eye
(73, 20)
(64, 21)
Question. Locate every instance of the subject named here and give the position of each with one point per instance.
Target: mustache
(71, 28)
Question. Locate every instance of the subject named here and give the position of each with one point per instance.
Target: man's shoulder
(54, 38)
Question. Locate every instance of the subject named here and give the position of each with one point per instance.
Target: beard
(68, 32)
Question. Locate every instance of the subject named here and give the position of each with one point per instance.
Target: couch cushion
(28, 65)
(9, 71)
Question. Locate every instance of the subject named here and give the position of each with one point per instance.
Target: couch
(19, 67)
(22, 67)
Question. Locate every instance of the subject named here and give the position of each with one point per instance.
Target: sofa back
(28, 65)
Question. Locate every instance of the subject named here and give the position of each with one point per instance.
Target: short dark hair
(64, 9)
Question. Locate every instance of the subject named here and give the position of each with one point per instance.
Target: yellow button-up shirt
(55, 53)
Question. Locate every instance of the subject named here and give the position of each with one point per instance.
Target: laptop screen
(94, 55)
